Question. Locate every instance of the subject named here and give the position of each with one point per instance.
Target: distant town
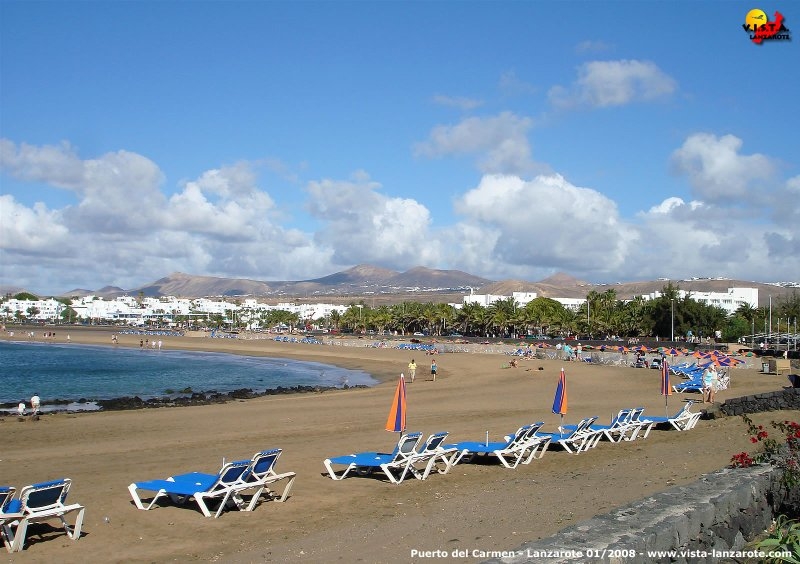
(669, 314)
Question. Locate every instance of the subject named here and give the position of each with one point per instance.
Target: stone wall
(787, 398)
(684, 523)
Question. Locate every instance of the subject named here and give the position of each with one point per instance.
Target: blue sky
(289, 140)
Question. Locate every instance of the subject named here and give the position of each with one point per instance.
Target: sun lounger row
(36, 503)
(239, 484)
(412, 457)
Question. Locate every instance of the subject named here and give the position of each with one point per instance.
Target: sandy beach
(481, 507)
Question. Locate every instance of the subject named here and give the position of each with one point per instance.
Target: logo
(760, 29)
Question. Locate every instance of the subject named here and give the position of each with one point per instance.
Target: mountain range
(381, 285)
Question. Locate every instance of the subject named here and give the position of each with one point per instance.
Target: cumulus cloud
(547, 222)
(57, 165)
(117, 192)
(602, 84)
(30, 231)
(223, 202)
(226, 223)
(360, 224)
(123, 230)
(500, 143)
(716, 169)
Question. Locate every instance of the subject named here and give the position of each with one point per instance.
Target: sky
(613, 141)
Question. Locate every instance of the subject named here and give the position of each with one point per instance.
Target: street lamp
(672, 309)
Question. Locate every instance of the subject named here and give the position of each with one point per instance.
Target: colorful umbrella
(560, 400)
(672, 352)
(666, 389)
(396, 422)
(641, 348)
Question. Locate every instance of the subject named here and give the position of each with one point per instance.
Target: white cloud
(457, 102)
(30, 231)
(125, 231)
(716, 169)
(223, 202)
(511, 85)
(500, 143)
(602, 84)
(547, 222)
(57, 165)
(361, 225)
(590, 46)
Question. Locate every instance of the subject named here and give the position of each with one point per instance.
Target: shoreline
(101, 336)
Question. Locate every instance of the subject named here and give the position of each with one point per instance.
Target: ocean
(83, 372)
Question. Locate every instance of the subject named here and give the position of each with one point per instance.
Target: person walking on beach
(412, 369)
(433, 369)
(21, 409)
(35, 403)
(709, 381)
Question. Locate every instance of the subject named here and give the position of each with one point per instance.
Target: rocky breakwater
(189, 397)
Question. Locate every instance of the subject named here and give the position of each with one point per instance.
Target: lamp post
(588, 326)
(672, 325)
(769, 333)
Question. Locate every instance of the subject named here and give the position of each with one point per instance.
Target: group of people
(35, 405)
(412, 369)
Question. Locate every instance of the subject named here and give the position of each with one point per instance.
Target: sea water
(75, 372)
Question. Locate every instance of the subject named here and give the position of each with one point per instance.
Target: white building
(522, 298)
(571, 303)
(48, 310)
(729, 301)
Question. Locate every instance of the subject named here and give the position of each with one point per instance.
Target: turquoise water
(74, 372)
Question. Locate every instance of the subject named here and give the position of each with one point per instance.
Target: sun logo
(754, 19)
(757, 24)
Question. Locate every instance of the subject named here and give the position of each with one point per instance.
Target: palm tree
(470, 317)
(501, 313)
(335, 319)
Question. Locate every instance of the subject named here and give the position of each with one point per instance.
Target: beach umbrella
(672, 351)
(622, 349)
(560, 400)
(396, 422)
(666, 389)
(641, 348)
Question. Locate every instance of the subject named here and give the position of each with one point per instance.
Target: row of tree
(602, 315)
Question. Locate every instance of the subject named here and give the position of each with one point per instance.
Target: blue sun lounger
(201, 487)
(364, 463)
(432, 454)
(509, 452)
(578, 439)
(38, 503)
(683, 420)
(9, 515)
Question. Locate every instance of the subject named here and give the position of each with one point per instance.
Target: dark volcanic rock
(207, 397)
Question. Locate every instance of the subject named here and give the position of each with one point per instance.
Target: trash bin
(765, 367)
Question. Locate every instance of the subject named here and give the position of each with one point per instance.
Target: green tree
(735, 327)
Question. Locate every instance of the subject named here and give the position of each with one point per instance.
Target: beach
(476, 507)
